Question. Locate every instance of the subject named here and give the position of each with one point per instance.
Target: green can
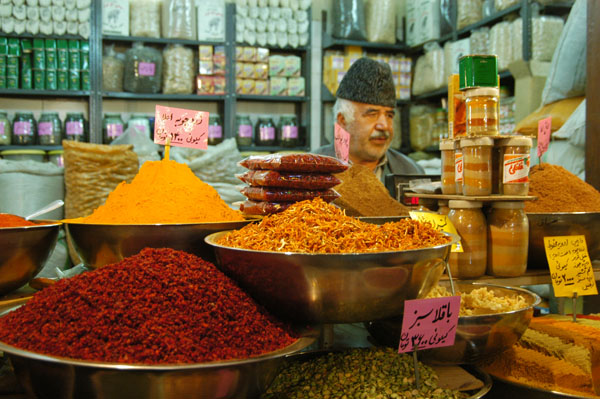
(39, 59)
(51, 59)
(51, 82)
(12, 60)
(477, 70)
(39, 79)
(85, 80)
(74, 79)
(62, 79)
(26, 61)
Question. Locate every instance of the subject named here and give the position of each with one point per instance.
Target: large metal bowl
(102, 244)
(23, 251)
(561, 224)
(477, 337)
(332, 288)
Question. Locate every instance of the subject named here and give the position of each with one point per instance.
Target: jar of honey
(514, 167)
(477, 165)
(508, 239)
(447, 150)
(470, 223)
(482, 111)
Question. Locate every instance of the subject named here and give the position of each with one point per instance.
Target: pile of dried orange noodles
(317, 227)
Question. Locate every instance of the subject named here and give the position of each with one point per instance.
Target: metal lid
(476, 141)
(478, 70)
(459, 204)
(482, 91)
(446, 144)
(56, 152)
(508, 205)
(516, 141)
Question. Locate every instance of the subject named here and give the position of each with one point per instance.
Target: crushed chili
(160, 306)
(8, 220)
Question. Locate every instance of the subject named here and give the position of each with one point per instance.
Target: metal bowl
(103, 244)
(23, 252)
(477, 337)
(333, 288)
(561, 224)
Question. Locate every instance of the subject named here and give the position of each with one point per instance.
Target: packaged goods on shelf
(468, 12)
(179, 19)
(452, 52)
(143, 69)
(500, 44)
(275, 26)
(115, 17)
(211, 20)
(545, 33)
(422, 121)
(178, 70)
(422, 21)
(478, 41)
(380, 20)
(504, 4)
(144, 18)
(278, 86)
(296, 86)
(333, 63)
(429, 70)
(348, 18)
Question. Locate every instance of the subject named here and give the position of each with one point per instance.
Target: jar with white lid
(477, 165)
(508, 239)
(482, 111)
(448, 183)
(470, 223)
(514, 168)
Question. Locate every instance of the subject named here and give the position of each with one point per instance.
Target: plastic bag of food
(380, 21)
(429, 70)
(348, 18)
(504, 4)
(422, 121)
(479, 41)
(179, 19)
(468, 12)
(500, 44)
(263, 208)
(273, 194)
(545, 34)
(144, 18)
(273, 178)
(112, 70)
(302, 162)
(143, 69)
(178, 70)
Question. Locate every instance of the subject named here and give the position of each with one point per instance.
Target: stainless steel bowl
(332, 288)
(102, 244)
(561, 224)
(23, 252)
(477, 337)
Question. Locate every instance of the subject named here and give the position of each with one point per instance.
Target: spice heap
(277, 181)
(162, 192)
(158, 307)
(357, 373)
(558, 190)
(8, 220)
(317, 227)
(482, 301)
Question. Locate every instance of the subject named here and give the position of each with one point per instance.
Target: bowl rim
(560, 213)
(117, 225)
(45, 225)
(211, 240)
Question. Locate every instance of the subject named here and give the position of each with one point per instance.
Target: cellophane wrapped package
(178, 70)
(144, 18)
(179, 19)
(143, 69)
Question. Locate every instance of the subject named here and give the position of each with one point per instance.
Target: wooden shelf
(486, 198)
(531, 277)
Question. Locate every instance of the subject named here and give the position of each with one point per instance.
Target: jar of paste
(482, 111)
(447, 150)
(515, 154)
(470, 223)
(477, 165)
(508, 239)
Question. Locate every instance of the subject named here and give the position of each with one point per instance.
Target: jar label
(290, 132)
(516, 168)
(1, 128)
(74, 128)
(245, 131)
(114, 130)
(215, 132)
(267, 133)
(458, 167)
(146, 68)
(45, 128)
(23, 128)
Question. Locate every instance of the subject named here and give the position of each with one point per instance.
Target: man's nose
(382, 122)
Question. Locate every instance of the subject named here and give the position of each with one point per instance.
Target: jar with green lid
(24, 129)
(139, 122)
(288, 134)
(75, 127)
(5, 129)
(215, 129)
(112, 127)
(243, 134)
(49, 129)
(265, 131)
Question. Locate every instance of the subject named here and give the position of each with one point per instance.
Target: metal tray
(504, 388)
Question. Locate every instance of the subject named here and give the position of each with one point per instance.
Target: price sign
(429, 323)
(570, 266)
(544, 132)
(184, 127)
(341, 143)
(438, 222)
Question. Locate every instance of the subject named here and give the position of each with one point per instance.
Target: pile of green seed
(362, 373)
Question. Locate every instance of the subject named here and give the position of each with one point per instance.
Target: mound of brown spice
(160, 306)
(558, 190)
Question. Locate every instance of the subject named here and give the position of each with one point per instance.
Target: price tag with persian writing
(570, 266)
(429, 323)
(184, 127)
(341, 143)
(544, 132)
(438, 222)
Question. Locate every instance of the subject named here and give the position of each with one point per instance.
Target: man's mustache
(379, 134)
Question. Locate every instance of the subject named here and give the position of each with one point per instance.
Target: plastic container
(458, 168)
(265, 131)
(508, 239)
(482, 111)
(24, 129)
(50, 130)
(288, 134)
(140, 122)
(57, 157)
(477, 165)
(215, 130)
(243, 135)
(76, 127)
(470, 223)
(112, 127)
(5, 129)
(24, 155)
(448, 169)
(514, 168)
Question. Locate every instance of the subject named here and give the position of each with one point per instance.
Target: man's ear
(341, 120)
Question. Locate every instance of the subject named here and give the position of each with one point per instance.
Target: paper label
(244, 131)
(570, 266)
(146, 68)
(438, 222)
(22, 128)
(115, 129)
(544, 132)
(74, 128)
(516, 168)
(290, 132)
(458, 167)
(266, 133)
(1, 127)
(215, 132)
(184, 127)
(341, 143)
(429, 323)
(45, 128)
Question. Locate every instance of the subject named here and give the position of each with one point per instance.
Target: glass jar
(49, 129)
(215, 129)
(458, 168)
(443, 208)
(477, 165)
(265, 131)
(112, 127)
(243, 134)
(482, 111)
(57, 157)
(5, 129)
(508, 239)
(24, 129)
(448, 183)
(514, 169)
(75, 127)
(288, 131)
(140, 122)
(440, 127)
(469, 221)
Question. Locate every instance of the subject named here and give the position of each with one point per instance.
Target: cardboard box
(530, 78)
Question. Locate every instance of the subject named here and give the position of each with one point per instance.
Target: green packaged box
(26, 61)
(12, 60)
(14, 47)
(39, 79)
(27, 45)
(74, 45)
(50, 44)
(62, 56)
(3, 61)
(74, 59)
(85, 61)
(85, 80)
(38, 44)
(12, 71)
(3, 46)
(26, 79)
(62, 44)
(74, 79)
(62, 80)
(2, 82)
(39, 59)
(51, 59)
(12, 82)
(51, 82)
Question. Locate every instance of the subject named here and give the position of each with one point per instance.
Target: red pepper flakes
(160, 306)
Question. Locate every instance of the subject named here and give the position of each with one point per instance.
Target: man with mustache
(365, 108)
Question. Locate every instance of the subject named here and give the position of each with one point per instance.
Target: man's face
(371, 131)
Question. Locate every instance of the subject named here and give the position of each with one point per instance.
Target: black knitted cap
(368, 81)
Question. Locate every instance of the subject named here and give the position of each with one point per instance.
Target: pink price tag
(429, 323)
(185, 127)
(544, 132)
(341, 143)
(146, 68)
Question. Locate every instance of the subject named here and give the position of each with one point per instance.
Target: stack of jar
(477, 162)
(285, 134)
(48, 130)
